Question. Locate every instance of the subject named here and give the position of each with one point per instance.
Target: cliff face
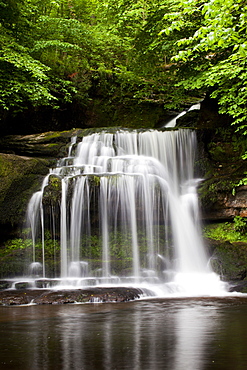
(222, 192)
(26, 159)
(226, 205)
(20, 177)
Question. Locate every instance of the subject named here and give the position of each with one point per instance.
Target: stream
(172, 333)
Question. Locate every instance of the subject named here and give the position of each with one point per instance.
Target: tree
(55, 51)
(22, 78)
(146, 72)
(211, 50)
(52, 51)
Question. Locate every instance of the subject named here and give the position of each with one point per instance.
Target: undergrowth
(235, 231)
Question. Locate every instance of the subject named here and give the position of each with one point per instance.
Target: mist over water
(136, 191)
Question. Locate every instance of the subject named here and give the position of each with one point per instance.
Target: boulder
(228, 259)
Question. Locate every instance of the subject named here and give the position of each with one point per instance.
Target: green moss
(48, 136)
(225, 231)
(230, 261)
(96, 180)
(229, 258)
(20, 177)
(16, 254)
(52, 192)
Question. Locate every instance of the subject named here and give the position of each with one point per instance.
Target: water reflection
(195, 327)
(169, 334)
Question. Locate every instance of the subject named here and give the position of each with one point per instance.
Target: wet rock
(22, 285)
(90, 295)
(228, 260)
(227, 205)
(222, 192)
(4, 284)
(240, 287)
(48, 144)
(17, 297)
(45, 283)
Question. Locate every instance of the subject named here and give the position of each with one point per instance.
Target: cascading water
(127, 212)
(173, 121)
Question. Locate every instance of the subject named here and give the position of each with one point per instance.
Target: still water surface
(174, 334)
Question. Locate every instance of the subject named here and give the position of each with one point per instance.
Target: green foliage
(210, 39)
(25, 244)
(14, 245)
(232, 232)
(16, 254)
(240, 224)
(243, 181)
(38, 53)
(28, 80)
(54, 52)
(146, 74)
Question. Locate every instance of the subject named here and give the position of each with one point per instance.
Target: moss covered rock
(221, 165)
(229, 260)
(20, 177)
(227, 244)
(130, 114)
(53, 144)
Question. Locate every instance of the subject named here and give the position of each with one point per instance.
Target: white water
(137, 191)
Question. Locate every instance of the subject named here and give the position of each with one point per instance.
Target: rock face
(223, 192)
(50, 144)
(25, 160)
(229, 261)
(227, 205)
(20, 176)
(219, 163)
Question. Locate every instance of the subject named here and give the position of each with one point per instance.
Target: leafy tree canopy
(211, 49)
(55, 51)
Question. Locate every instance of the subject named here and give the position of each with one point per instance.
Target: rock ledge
(89, 295)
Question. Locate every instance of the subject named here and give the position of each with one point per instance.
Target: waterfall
(173, 121)
(128, 209)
